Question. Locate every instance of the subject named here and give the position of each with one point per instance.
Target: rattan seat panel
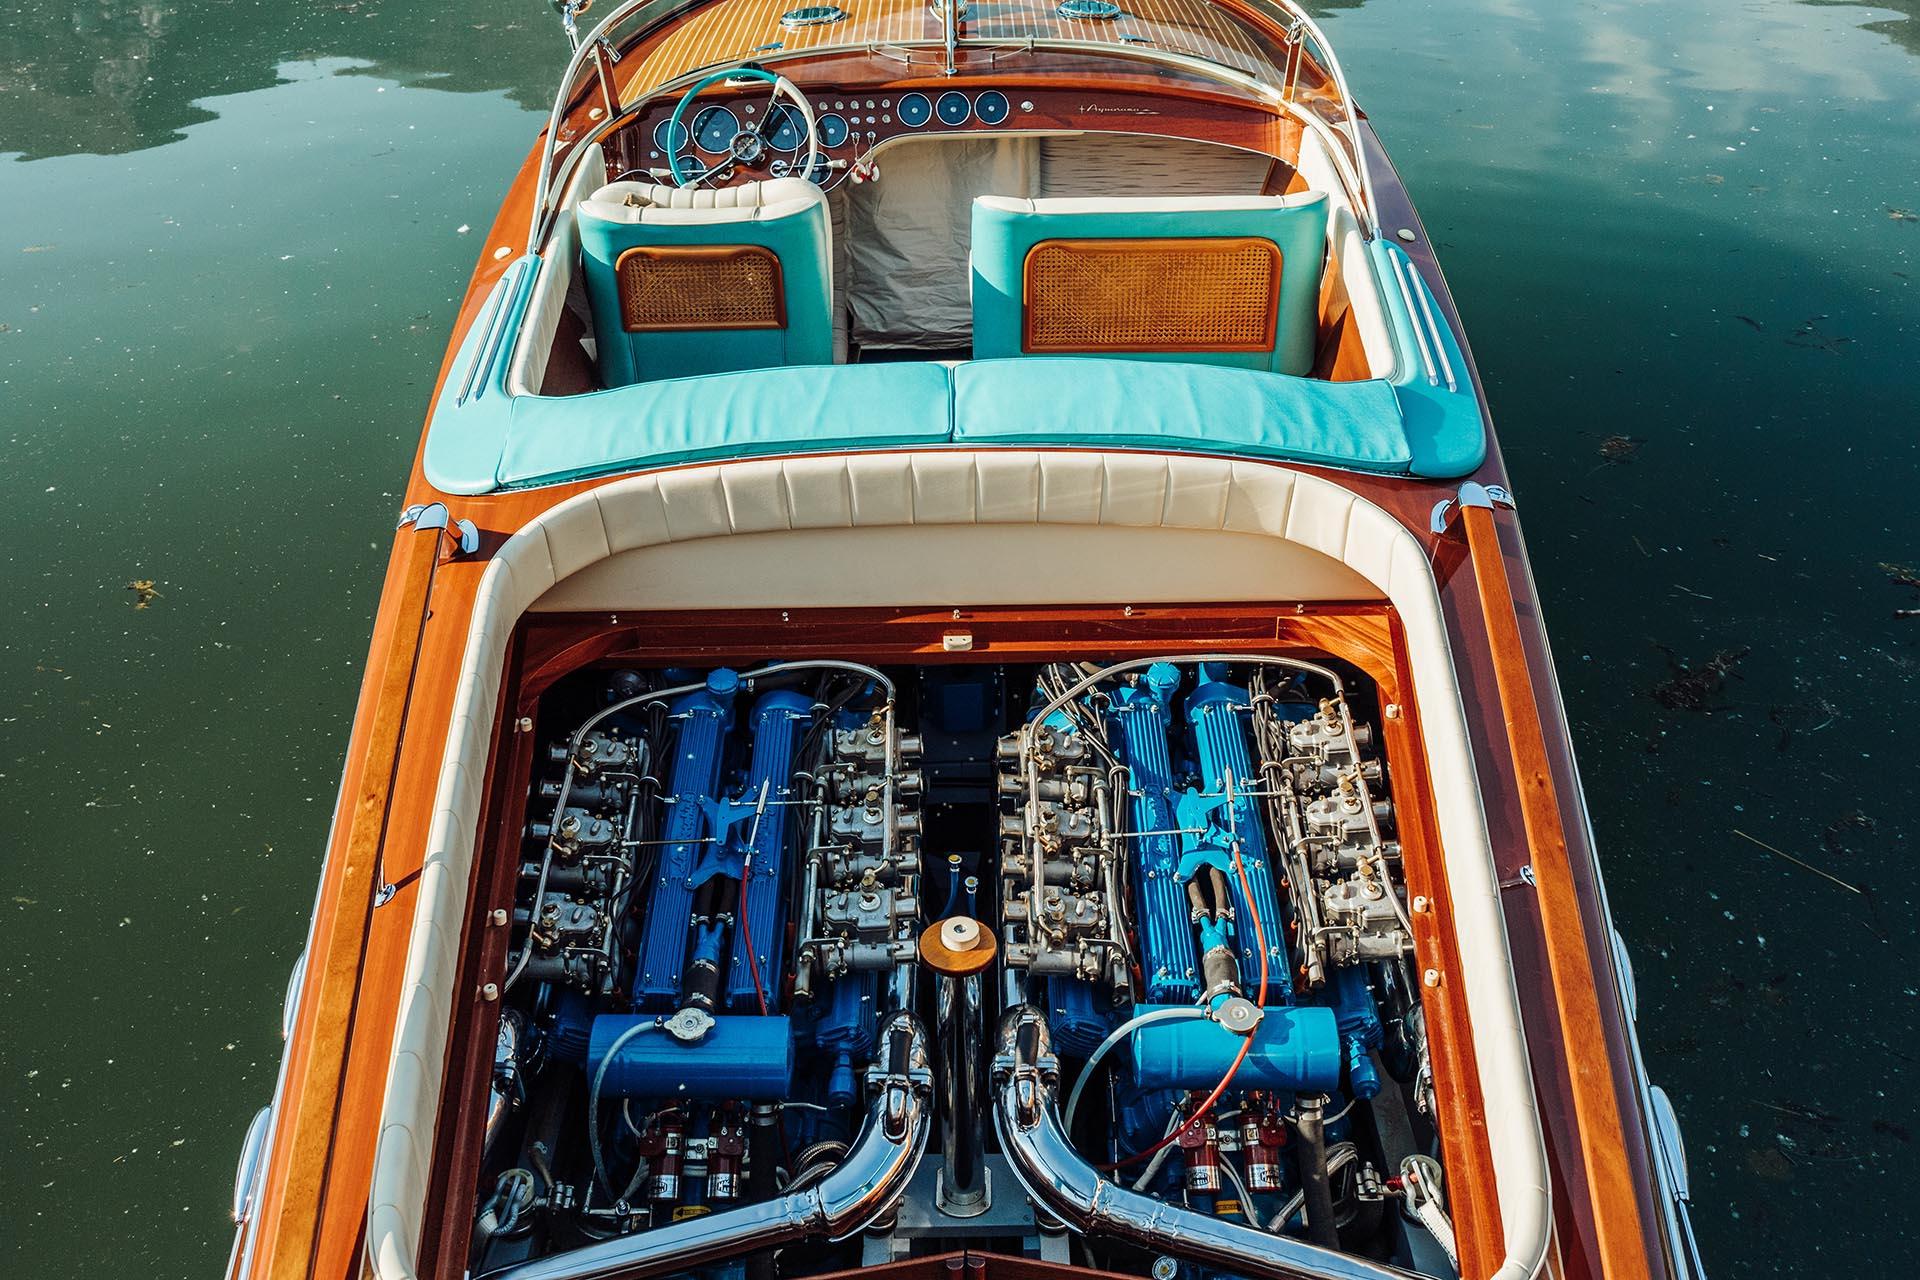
(680, 288)
(1210, 293)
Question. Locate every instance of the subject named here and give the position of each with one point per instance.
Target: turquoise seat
(688, 281)
(1217, 280)
(1129, 404)
(758, 412)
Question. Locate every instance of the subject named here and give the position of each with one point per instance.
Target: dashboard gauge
(713, 129)
(668, 145)
(822, 169)
(833, 130)
(692, 167)
(915, 110)
(783, 128)
(953, 108)
(992, 107)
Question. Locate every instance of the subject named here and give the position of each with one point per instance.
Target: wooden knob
(958, 946)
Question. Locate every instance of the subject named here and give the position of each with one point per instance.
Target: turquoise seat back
(690, 281)
(1236, 284)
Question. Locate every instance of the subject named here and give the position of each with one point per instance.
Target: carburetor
(863, 863)
(1058, 915)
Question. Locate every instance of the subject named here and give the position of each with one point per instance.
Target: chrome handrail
(1287, 17)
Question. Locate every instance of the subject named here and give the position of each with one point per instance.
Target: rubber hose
(763, 1142)
(1310, 1155)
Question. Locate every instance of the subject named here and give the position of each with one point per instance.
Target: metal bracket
(1524, 877)
(464, 534)
(570, 11)
(1470, 495)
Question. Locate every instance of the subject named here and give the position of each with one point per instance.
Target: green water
(231, 241)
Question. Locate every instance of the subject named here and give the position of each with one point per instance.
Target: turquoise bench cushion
(802, 242)
(827, 407)
(1129, 404)
(482, 438)
(1005, 232)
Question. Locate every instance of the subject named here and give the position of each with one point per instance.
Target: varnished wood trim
(1466, 1150)
(310, 1105)
(1611, 1178)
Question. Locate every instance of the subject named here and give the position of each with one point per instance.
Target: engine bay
(818, 965)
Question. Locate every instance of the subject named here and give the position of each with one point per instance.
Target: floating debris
(1797, 718)
(1813, 338)
(1749, 321)
(1872, 920)
(1902, 215)
(144, 592)
(1901, 575)
(1620, 448)
(1835, 836)
(1690, 688)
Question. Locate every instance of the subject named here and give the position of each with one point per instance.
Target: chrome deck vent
(813, 15)
(1088, 10)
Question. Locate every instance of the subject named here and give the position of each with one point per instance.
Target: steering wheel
(746, 139)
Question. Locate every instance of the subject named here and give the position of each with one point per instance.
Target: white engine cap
(960, 933)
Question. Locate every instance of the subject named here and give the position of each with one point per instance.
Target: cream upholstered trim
(549, 300)
(953, 565)
(1146, 204)
(882, 492)
(650, 202)
(1349, 248)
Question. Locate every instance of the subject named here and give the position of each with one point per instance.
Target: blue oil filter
(740, 1058)
(1294, 1049)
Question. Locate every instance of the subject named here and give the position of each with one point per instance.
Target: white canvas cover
(907, 233)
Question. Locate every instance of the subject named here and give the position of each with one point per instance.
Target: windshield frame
(1280, 20)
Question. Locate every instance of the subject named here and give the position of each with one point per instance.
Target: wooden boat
(958, 691)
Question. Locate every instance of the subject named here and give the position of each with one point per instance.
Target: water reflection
(105, 77)
(1903, 30)
(110, 76)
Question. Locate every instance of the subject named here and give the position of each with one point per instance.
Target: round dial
(783, 128)
(713, 129)
(668, 145)
(692, 167)
(915, 110)
(953, 108)
(833, 130)
(991, 107)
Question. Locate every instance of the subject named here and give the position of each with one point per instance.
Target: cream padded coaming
(883, 492)
(652, 202)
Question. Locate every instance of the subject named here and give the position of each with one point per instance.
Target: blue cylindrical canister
(1294, 1049)
(740, 1058)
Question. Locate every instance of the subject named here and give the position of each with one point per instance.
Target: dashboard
(754, 135)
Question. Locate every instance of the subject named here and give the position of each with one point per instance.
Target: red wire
(746, 935)
(1246, 1043)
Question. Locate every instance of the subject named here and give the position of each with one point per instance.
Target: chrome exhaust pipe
(1061, 1182)
(863, 1188)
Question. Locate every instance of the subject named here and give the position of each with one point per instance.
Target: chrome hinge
(464, 534)
(1470, 495)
